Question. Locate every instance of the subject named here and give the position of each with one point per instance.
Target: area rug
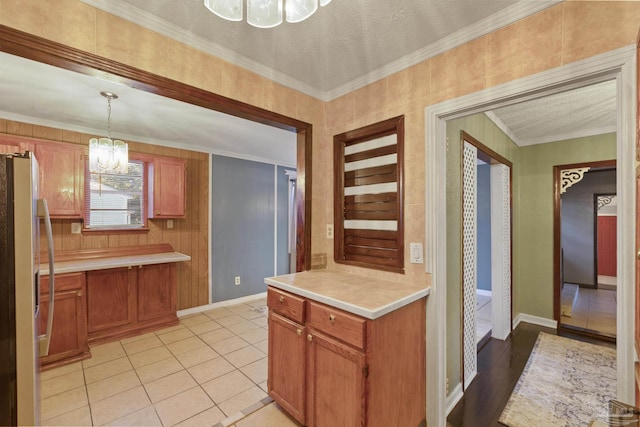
(565, 383)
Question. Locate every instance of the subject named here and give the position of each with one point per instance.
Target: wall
(243, 212)
(189, 235)
(533, 220)
(282, 212)
(484, 227)
(578, 225)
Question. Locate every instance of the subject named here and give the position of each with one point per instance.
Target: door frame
(557, 233)
(492, 158)
(619, 64)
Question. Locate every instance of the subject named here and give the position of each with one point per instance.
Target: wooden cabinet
(62, 178)
(359, 372)
(110, 299)
(167, 188)
(156, 291)
(287, 364)
(69, 329)
(126, 301)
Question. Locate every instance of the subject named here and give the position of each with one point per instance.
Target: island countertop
(365, 296)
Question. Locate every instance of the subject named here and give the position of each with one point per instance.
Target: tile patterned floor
(204, 371)
(595, 309)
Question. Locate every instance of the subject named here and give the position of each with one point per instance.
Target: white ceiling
(345, 45)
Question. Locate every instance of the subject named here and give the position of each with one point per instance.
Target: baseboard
(241, 300)
(535, 320)
(484, 292)
(453, 398)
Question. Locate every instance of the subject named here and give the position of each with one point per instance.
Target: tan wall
(189, 235)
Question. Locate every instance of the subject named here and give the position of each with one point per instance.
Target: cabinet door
(156, 291)
(287, 362)
(110, 298)
(69, 329)
(61, 178)
(169, 188)
(336, 383)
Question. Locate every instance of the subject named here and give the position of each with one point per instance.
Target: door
(336, 383)
(607, 245)
(287, 365)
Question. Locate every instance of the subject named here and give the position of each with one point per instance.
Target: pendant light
(105, 154)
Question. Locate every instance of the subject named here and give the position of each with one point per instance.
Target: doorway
(486, 248)
(583, 213)
(620, 65)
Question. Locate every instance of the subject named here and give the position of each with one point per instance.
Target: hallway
(500, 364)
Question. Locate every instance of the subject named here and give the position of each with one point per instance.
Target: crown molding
(492, 23)
(155, 24)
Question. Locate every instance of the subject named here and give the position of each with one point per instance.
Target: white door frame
(619, 64)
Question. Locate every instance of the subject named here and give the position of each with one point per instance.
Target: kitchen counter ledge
(89, 260)
(365, 296)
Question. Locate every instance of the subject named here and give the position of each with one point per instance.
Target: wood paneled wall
(189, 235)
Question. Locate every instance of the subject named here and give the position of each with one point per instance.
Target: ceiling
(345, 45)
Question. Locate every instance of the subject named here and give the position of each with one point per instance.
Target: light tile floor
(595, 309)
(204, 371)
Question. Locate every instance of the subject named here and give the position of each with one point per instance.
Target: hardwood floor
(500, 364)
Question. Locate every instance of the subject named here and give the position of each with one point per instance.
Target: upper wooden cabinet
(61, 178)
(167, 188)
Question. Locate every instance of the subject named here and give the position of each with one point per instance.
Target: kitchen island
(346, 349)
(108, 294)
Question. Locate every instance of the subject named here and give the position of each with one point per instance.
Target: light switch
(416, 253)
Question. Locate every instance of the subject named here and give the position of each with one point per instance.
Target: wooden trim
(39, 49)
(557, 227)
(595, 236)
(485, 153)
(376, 249)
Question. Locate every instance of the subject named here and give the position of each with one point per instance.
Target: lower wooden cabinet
(287, 365)
(69, 329)
(126, 301)
(328, 367)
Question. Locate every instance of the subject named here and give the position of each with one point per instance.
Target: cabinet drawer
(284, 303)
(343, 326)
(64, 282)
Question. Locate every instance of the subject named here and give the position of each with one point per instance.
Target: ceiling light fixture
(105, 154)
(265, 13)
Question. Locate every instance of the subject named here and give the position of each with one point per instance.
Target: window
(116, 201)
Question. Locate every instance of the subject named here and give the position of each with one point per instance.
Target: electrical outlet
(76, 228)
(237, 280)
(169, 223)
(329, 231)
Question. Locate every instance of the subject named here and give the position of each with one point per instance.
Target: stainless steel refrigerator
(20, 341)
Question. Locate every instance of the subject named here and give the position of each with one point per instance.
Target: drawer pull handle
(299, 331)
(310, 337)
(332, 318)
(281, 299)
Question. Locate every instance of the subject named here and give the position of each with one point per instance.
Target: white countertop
(365, 296)
(114, 262)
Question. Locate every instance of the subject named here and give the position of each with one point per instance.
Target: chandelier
(105, 154)
(265, 13)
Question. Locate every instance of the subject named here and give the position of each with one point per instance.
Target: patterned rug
(565, 383)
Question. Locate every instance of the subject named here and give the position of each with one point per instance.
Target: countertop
(365, 296)
(113, 262)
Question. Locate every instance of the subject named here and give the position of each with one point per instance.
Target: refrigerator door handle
(45, 340)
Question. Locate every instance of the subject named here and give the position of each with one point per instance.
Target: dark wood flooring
(500, 364)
